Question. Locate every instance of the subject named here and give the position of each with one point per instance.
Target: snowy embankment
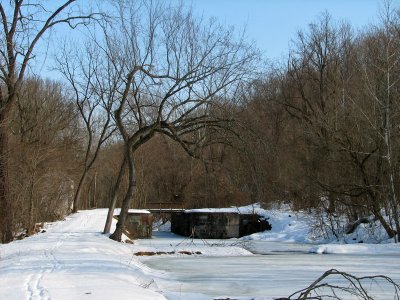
(382, 249)
(287, 226)
(296, 227)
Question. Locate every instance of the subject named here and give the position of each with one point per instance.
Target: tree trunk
(79, 191)
(116, 236)
(388, 143)
(113, 201)
(6, 213)
(32, 219)
(94, 202)
(390, 232)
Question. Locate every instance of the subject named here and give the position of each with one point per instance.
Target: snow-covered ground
(73, 260)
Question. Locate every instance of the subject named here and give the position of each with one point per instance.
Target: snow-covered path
(72, 260)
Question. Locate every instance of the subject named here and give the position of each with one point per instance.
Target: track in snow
(72, 260)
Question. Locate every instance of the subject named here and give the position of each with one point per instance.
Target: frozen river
(278, 269)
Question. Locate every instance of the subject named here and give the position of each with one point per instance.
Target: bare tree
(321, 90)
(84, 71)
(45, 139)
(380, 68)
(171, 70)
(24, 25)
(313, 93)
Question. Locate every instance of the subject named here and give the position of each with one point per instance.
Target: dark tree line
(332, 114)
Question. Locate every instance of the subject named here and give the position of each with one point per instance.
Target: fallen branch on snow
(352, 285)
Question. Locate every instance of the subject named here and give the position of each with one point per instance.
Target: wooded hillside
(158, 106)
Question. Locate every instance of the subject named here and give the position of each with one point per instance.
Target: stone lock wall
(216, 225)
(139, 225)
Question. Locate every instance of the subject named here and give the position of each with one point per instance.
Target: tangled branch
(352, 286)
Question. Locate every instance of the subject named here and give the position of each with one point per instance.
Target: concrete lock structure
(139, 225)
(217, 225)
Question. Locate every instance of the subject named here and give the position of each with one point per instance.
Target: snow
(139, 211)
(249, 209)
(261, 277)
(361, 249)
(74, 260)
(287, 226)
(131, 210)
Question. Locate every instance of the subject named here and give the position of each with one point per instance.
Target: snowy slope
(302, 227)
(72, 260)
(287, 226)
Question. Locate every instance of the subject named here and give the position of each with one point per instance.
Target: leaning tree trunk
(389, 230)
(113, 201)
(116, 236)
(394, 204)
(78, 192)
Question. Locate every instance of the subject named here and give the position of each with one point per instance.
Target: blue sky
(271, 24)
